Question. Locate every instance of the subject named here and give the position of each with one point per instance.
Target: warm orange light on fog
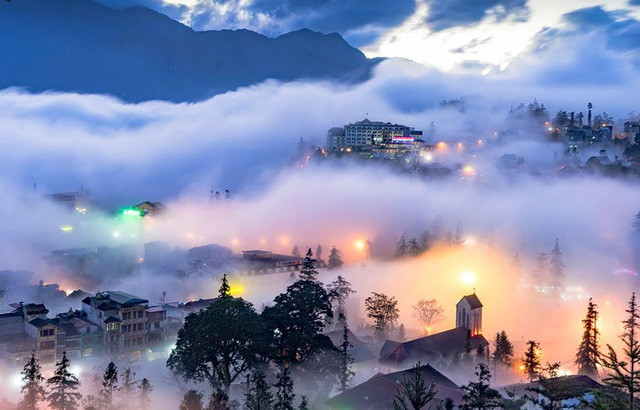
(359, 245)
(468, 277)
(441, 145)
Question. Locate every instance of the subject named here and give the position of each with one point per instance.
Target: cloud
(445, 14)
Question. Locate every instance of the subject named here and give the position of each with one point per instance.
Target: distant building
(79, 201)
(259, 262)
(446, 346)
(150, 208)
(367, 135)
(27, 330)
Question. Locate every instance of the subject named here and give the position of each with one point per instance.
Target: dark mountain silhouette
(138, 54)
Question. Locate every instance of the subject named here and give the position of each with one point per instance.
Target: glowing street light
(468, 277)
(66, 228)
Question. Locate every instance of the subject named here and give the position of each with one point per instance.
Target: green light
(66, 228)
(131, 212)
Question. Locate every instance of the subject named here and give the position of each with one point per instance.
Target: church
(444, 347)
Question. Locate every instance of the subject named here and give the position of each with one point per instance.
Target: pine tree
(144, 393)
(345, 373)
(402, 333)
(425, 241)
(532, 360)
(556, 267)
(284, 393)
(339, 290)
(541, 268)
(259, 396)
(308, 271)
(479, 394)
(109, 386)
(32, 389)
(335, 259)
(413, 247)
(401, 247)
(304, 403)
(225, 289)
(589, 352)
(623, 374)
(295, 252)
(128, 387)
(503, 351)
(415, 391)
(192, 400)
(319, 253)
(63, 387)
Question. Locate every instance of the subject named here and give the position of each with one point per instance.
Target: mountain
(138, 54)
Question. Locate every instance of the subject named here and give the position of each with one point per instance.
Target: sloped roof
(358, 350)
(112, 319)
(473, 301)
(39, 322)
(378, 392)
(557, 388)
(445, 343)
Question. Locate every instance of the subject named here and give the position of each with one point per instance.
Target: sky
(451, 35)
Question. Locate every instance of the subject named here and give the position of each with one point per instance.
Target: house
(445, 346)
(378, 392)
(564, 391)
(123, 318)
(358, 349)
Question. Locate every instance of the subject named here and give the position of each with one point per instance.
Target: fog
(246, 141)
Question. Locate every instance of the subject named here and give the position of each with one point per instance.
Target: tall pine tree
(335, 259)
(623, 374)
(414, 391)
(259, 396)
(532, 366)
(63, 387)
(284, 392)
(109, 386)
(144, 393)
(556, 267)
(479, 394)
(589, 352)
(345, 372)
(32, 389)
(192, 400)
(401, 247)
(225, 288)
(308, 271)
(503, 351)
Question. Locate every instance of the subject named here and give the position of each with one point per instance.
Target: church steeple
(469, 314)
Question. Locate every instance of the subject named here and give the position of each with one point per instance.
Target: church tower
(469, 314)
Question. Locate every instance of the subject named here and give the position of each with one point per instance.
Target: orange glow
(284, 241)
(460, 146)
(468, 277)
(441, 146)
(468, 170)
(359, 245)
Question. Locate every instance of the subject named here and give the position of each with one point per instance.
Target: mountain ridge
(139, 54)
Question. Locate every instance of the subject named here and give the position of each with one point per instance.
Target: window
(47, 345)
(87, 352)
(140, 314)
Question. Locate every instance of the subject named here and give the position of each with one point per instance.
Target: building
(565, 392)
(366, 134)
(379, 391)
(26, 330)
(259, 262)
(150, 208)
(469, 314)
(443, 347)
(123, 319)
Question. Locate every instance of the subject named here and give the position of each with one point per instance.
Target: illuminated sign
(402, 140)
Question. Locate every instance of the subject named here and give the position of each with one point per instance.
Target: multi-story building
(124, 320)
(365, 135)
(78, 336)
(27, 330)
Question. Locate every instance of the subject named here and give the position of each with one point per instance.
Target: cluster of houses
(109, 323)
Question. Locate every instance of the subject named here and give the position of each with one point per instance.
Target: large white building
(366, 134)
